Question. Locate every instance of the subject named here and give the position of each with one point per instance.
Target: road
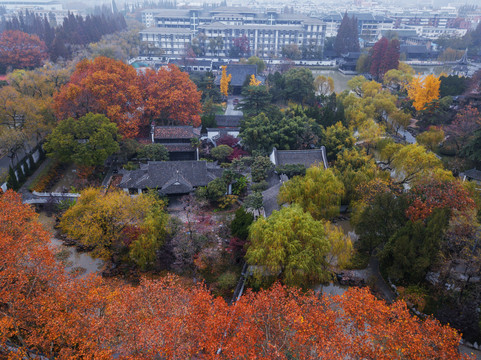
(230, 106)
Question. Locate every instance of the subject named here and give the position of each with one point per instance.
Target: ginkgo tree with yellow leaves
(224, 81)
(423, 90)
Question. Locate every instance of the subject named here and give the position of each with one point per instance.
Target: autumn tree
(384, 57)
(168, 95)
(20, 50)
(319, 192)
(88, 141)
(253, 81)
(399, 77)
(224, 81)
(337, 138)
(423, 91)
(102, 86)
(323, 85)
(466, 122)
(115, 222)
(347, 39)
(289, 243)
(431, 138)
(411, 162)
(431, 193)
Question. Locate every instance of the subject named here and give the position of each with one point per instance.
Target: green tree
(379, 220)
(472, 150)
(239, 227)
(412, 250)
(299, 84)
(289, 244)
(12, 182)
(256, 100)
(254, 60)
(256, 133)
(254, 200)
(153, 152)
(260, 168)
(319, 192)
(89, 141)
(221, 152)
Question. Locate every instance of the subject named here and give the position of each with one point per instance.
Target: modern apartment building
(267, 32)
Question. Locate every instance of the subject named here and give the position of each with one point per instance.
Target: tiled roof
(239, 73)
(174, 132)
(304, 157)
(170, 177)
(473, 174)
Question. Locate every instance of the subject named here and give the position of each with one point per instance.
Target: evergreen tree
(12, 182)
(347, 36)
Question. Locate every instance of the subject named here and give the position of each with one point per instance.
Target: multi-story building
(369, 26)
(38, 4)
(217, 29)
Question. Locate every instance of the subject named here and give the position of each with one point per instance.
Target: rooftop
(174, 132)
(170, 177)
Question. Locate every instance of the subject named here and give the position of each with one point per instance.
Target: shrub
(239, 227)
(260, 186)
(254, 201)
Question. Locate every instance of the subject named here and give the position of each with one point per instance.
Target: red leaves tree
(432, 193)
(20, 50)
(467, 121)
(114, 89)
(103, 86)
(170, 96)
(384, 57)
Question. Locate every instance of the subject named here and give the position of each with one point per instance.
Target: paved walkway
(230, 106)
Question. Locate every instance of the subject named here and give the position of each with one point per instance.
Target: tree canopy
(88, 141)
(19, 50)
(319, 192)
(291, 244)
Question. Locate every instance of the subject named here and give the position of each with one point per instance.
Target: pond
(80, 263)
(331, 289)
(340, 80)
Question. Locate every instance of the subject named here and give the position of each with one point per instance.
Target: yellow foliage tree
(224, 81)
(254, 81)
(423, 91)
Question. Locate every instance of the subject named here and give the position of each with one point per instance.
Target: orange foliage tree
(20, 50)
(423, 91)
(44, 311)
(114, 89)
(170, 96)
(103, 86)
(432, 193)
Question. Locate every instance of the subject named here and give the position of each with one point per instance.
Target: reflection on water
(80, 263)
(340, 80)
(331, 289)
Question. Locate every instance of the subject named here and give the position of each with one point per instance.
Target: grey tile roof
(170, 177)
(473, 174)
(174, 132)
(305, 157)
(269, 199)
(239, 73)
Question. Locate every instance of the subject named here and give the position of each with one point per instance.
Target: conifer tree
(12, 182)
